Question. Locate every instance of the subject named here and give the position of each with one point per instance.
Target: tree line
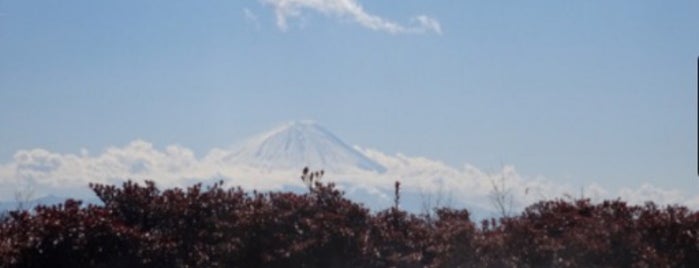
(140, 225)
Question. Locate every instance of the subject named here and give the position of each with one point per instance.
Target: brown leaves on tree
(143, 226)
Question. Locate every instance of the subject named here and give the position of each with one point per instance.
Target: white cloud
(251, 17)
(648, 192)
(176, 165)
(429, 24)
(139, 160)
(472, 185)
(350, 9)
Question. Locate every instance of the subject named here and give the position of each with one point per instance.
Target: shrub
(142, 226)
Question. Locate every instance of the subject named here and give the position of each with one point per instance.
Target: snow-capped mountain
(302, 143)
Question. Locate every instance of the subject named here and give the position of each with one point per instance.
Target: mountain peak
(297, 144)
(301, 123)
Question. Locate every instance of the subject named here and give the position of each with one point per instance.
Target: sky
(576, 92)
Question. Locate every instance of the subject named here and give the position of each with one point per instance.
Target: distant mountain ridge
(302, 143)
(46, 200)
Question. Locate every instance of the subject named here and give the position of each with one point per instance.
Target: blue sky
(573, 91)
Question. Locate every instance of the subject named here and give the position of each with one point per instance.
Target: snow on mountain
(299, 144)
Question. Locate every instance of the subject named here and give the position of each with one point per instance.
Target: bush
(142, 226)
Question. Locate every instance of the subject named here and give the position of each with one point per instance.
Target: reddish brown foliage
(141, 226)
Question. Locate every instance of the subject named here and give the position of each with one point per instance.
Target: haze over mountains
(273, 160)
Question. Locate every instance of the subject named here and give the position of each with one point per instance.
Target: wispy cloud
(251, 17)
(286, 9)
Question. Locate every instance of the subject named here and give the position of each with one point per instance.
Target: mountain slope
(299, 144)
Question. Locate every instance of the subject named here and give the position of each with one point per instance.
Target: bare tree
(310, 178)
(23, 196)
(396, 196)
(431, 201)
(501, 197)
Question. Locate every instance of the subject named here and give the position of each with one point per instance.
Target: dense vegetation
(142, 226)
